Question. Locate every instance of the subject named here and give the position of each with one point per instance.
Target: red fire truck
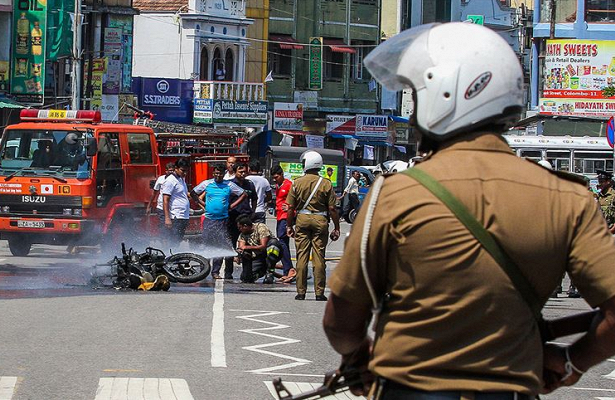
(68, 179)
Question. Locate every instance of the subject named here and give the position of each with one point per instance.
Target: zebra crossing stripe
(7, 387)
(296, 388)
(142, 389)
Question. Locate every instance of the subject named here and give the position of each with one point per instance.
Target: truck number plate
(30, 224)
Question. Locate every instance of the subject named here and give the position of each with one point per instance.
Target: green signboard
(477, 19)
(28, 55)
(295, 170)
(315, 63)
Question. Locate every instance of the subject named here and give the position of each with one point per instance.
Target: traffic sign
(477, 19)
(610, 131)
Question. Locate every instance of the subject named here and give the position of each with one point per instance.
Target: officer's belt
(308, 212)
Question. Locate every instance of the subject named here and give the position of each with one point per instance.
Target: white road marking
(2, 259)
(295, 388)
(594, 389)
(218, 351)
(142, 389)
(7, 387)
(280, 340)
(604, 398)
(610, 375)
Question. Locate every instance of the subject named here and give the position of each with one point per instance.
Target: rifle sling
(486, 240)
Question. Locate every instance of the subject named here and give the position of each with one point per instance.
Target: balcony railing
(220, 90)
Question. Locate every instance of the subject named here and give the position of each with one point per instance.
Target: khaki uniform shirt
(607, 204)
(259, 232)
(455, 321)
(303, 187)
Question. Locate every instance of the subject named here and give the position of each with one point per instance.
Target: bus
(579, 155)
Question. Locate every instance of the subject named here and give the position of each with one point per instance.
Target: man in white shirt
(176, 205)
(263, 191)
(157, 194)
(230, 168)
(352, 190)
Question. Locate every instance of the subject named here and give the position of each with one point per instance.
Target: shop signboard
(28, 51)
(160, 93)
(288, 116)
(315, 82)
(109, 109)
(477, 19)
(203, 111)
(4, 75)
(407, 104)
(308, 98)
(576, 72)
(124, 22)
(341, 124)
(315, 141)
(99, 66)
(113, 53)
(372, 127)
(231, 112)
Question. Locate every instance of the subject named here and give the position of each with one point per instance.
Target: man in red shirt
(282, 188)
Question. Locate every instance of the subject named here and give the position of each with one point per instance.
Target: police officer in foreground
(606, 197)
(453, 325)
(312, 200)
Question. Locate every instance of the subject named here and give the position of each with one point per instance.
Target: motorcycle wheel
(186, 267)
(352, 215)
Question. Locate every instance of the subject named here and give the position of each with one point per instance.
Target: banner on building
(288, 116)
(203, 111)
(112, 41)
(307, 97)
(373, 127)
(576, 72)
(28, 51)
(99, 66)
(233, 112)
(4, 75)
(124, 22)
(109, 108)
(341, 124)
(368, 152)
(315, 141)
(407, 103)
(315, 81)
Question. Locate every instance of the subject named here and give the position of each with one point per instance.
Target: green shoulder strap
(483, 236)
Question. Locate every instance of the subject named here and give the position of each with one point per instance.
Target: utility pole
(76, 67)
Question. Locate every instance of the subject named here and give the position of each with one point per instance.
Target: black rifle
(335, 382)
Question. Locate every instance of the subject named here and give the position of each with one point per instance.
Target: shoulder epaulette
(569, 176)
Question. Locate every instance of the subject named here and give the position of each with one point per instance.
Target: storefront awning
(341, 136)
(375, 143)
(8, 103)
(293, 133)
(395, 118)
(338, 46)
(285, 42)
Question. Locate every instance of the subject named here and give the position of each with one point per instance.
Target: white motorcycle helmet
(311, 160)
(463, 76)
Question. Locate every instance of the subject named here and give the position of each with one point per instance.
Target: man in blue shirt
(213, 195)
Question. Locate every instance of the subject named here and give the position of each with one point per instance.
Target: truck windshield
(53, 151)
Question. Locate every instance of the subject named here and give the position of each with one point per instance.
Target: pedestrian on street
(312, 199)
(213, 195)
(352, 190)
(282, 189)
(606, 197)
(263, 191)
(450, 322)
(175, 203)
(157, 194)
(252, 248)
(230, 168)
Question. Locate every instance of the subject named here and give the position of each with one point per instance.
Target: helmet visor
(383, 62)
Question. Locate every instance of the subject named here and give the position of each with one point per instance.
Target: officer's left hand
(554, 372)
(357, 363)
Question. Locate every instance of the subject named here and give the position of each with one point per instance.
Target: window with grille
(600, 11)
(333, 67)
(280, 60)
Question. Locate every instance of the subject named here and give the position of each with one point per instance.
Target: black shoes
(321, 297)
(300, 297)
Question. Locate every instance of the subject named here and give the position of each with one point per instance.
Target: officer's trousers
(311, 236)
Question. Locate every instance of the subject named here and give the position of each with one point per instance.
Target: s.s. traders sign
(372, 126)
(161, 93)
(240, 112)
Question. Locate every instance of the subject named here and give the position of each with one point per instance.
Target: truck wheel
(19, 247)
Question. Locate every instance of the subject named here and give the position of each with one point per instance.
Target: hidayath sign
(576, 72)
(288, 116)
(28, 55)
(315, 78)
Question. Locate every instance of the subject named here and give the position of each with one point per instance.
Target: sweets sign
(28, 50)
(576, 72)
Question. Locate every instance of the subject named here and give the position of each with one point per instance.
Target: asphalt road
(62, 339)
